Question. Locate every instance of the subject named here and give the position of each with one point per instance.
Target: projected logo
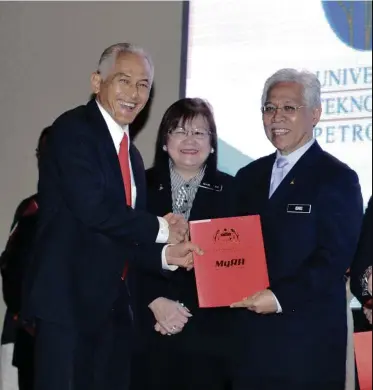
(351, 21)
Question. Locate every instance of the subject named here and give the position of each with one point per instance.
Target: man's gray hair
(110, 55)
(309, 81)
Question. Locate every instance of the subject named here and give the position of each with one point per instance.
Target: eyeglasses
(271, 109)
(182, 133)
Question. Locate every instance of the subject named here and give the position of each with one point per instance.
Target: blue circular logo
(351, 21)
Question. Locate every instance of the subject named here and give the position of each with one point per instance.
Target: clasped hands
(178, 228)
(171, 316)
(180, 252)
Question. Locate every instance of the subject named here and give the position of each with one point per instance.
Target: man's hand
(171, 316)
(263, 302)
(181, 255)
(368, 314)
(178, 228)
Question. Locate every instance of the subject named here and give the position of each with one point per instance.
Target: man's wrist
(164, 231)
(165, 264)
(279, 307)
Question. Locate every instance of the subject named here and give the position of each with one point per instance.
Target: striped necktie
(278, 174)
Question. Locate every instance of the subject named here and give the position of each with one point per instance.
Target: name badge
(212, 187)
(299, 208)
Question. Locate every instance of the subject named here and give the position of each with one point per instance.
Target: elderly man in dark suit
(93, 228)
(294, 333)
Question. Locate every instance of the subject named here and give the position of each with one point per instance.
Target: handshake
(180, 250)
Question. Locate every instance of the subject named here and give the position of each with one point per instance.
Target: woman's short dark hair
(185, 110)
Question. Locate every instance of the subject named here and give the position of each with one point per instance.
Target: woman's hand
(368, 314)
(170, 315)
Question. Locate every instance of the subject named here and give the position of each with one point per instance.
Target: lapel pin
(160, 187)
(293, 181)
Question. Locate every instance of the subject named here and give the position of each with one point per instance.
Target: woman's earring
(165, 148)
(212, 150)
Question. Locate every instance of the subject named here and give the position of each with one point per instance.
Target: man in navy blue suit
(92, 230)
(294, 333)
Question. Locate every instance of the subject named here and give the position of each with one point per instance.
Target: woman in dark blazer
(184, 180)
(361, 269)
(361, 274)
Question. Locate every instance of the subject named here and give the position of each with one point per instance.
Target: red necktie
(124, 162)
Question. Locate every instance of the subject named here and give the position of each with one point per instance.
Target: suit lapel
(261, 186)
(265, 184)
(139, 177)
(203, 200)
(104, 138)
(160, 190)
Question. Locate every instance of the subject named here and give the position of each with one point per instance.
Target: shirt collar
(115, 129)
(195, 181)
(293, 157)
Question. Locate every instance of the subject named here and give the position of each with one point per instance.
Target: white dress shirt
(117, 132)
(292, 159)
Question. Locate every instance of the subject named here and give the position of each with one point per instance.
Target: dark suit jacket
(215, 199)
(308, 255)
(364, 256)
(86, 232)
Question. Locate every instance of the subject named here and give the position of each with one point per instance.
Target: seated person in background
(13, 264)
(181, 346)
(361, 269)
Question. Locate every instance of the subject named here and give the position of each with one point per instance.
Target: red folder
(363, 353)
(234, 265)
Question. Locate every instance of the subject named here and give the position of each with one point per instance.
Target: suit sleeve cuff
(165, 265)
(164, 231)
(279, 308)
